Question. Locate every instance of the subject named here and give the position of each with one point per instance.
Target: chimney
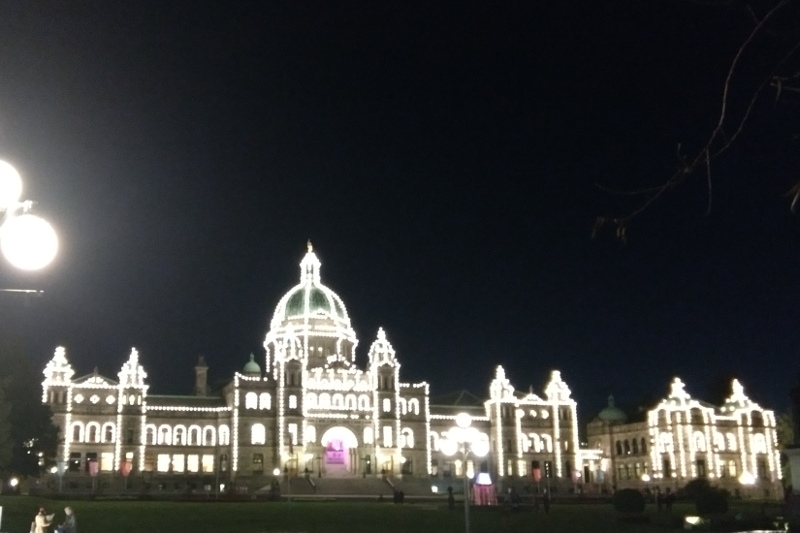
(201, 378)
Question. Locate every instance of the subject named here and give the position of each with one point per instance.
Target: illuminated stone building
(734, 446)
(307, 408)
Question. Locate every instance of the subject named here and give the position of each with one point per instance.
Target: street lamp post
(27, 241)
(465, 439)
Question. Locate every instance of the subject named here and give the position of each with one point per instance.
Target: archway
(339, 444)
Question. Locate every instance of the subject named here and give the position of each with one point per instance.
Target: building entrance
(340, 445)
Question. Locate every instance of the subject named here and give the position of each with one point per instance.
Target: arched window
(369, 435)
(759, 443)
(363, 402)
(644, 446)
(619, 448)
(265, 401)
(338, 401)
(164, 435)
(179, 436)
(209, 436)
(413, 406)
(77, 432)
(406, 438)
(403, 405)
(324, 400)
(634, 447)
(311, 400)
(311, 434)
(108, 432)
(194, 436)
(627, 447)
(150, 434)
(251, 400)
(93, 432)
(350, 402)
(699, 441)
(258, 434)
(224, 435)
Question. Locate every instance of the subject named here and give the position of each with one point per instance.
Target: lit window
(193, 463)
(387, 436)
(109, 399)
(163, 462)
(251, 400)
(78, 398)
(368, 435)
(265, 401)
(107, 461)
(258, 434)
(311, 434)
(208, 463)
(292, 401)
(387, 405)
(293, 433)
(224, 436)
(178, 462)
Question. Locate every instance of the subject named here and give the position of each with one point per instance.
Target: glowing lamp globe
(28, 242)
(463, 420)
(10, 186)
(479, 448)
(448, 446)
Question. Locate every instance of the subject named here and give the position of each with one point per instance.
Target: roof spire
(309, 246)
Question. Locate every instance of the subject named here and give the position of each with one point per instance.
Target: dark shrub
(628, 501)
(696, 487)
(712, 501)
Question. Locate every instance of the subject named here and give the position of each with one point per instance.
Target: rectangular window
(208, 463)
(761, 469)
(667, 468)
(193, 463)
(732, 468)
(387, 436)
(293, 433)
(91, 457)
(701, 468)
(292, 401)
(75, 462)
(107, 461)
(387, 405)
(178, 462)
(434, 467)
(258, 463)
(163, 462)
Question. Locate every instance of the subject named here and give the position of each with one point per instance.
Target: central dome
(310, 300)
(310, 323)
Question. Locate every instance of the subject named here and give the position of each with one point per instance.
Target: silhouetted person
(669, 499)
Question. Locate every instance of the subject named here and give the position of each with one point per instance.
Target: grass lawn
(321, 517)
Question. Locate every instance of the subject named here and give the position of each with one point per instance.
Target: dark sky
(443, 157)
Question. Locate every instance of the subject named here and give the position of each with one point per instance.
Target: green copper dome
(252, 367)
(612, 414)
(310, 299)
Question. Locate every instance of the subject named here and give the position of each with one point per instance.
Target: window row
(179, 463)
(180, 435)
(631, 447)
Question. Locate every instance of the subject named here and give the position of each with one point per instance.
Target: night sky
(444, 159)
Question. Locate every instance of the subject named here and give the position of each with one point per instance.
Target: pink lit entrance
(340, 446)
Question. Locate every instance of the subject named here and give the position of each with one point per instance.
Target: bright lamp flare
(28, 242)
(10, 185)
